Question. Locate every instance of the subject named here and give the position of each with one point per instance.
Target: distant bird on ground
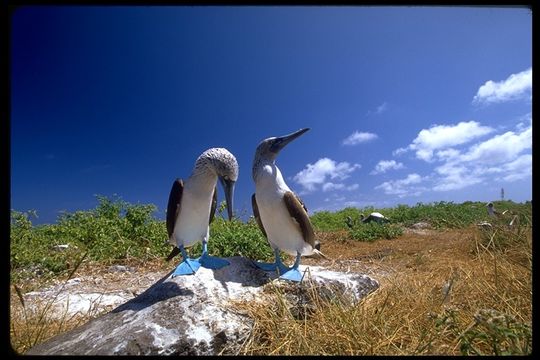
(280, 214)
(192, 205)
(504, 215)
(349, 222)
(374, 216)
(492, 212)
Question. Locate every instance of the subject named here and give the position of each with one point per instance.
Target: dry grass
(444, 293)
(452, 292)
(32, 326)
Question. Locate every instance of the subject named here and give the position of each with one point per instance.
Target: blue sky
(405, 104)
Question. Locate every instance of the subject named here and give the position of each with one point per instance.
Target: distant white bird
(280, 214)
(374, 216)
(192, 205)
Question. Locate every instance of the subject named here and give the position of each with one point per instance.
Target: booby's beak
(280, 142)
(228, 187)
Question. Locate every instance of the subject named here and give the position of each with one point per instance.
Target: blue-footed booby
(192, 205)
(280, 214)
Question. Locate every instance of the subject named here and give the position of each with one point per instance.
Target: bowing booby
(280, 214)
(192, 205)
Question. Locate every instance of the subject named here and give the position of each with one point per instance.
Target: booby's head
(269, 148)
(225, 166)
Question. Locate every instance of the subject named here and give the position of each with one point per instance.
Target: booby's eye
(226, 177)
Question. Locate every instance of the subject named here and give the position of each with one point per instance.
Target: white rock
(191, 315)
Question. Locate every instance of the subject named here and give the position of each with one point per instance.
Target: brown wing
(214, 204)
(173, 206)
(173, 209)
(257, 215)
(298, 212)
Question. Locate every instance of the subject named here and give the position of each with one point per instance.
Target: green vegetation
(440, 215)
(113, 231)
(235, 238)
(116, 230)
(373, 231)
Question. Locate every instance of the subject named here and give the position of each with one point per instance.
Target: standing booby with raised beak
(192, 205)
(280, 214)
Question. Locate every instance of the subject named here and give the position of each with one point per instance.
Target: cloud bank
(444, 136)
(459, 163)
(516, 86)
(323, 170)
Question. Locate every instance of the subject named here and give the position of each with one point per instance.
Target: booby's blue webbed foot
(187, 267)
(277, 265)
(292, 275)
(265, 266)
(212, 262)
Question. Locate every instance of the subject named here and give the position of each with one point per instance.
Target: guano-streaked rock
(192, 315)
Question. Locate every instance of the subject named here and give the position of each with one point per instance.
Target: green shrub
(373, 231)
(328, 221)
(235, 238)
(112, 231)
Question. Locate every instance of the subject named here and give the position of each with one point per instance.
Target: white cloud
(325, 168)
(331, 186)
(379, 110)
(447, 154)
(403, 187)
(499, 156)
(500, 148)
(518, 169)
(454, 177)
(444, 136)
(400, 151)
(359, 137)
(525, 122)
(385, 165)
(516, 86)
(462, 160)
